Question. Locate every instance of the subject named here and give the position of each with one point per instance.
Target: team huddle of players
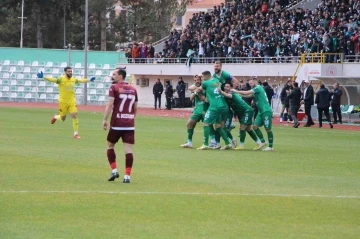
(217, 102)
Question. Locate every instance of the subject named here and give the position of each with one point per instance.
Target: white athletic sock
(75, 133)
(126, 177)
(114, 170)
(241, 144)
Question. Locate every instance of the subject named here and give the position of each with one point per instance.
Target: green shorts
(246, 118)
(197, 117)
(264, 119)
(215, 116)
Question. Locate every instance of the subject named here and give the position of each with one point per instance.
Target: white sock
(241, 144)
(75, 133)
(114, 170)
(258, 142)
(126, 177)
(213, 141)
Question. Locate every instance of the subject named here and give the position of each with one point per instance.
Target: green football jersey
(261, 99)
(237, 104)
(224, 77)
(199, 104)
(215, 99)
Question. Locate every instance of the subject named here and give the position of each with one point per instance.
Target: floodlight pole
(64, 27)
(22, 23)
(86, 47)
(69, 54)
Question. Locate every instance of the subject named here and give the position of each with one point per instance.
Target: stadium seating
(28, 96)
(18, 81)
(246, 29)
(346, 112)
(27, 69)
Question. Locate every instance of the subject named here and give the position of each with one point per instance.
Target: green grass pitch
(52, 186)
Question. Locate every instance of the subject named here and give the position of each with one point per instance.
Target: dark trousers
(294, 109)
(336, 112)
(157, 98)
(326, 112)
(308, 115)
(287, 115)
(181, 100)
(168, 103)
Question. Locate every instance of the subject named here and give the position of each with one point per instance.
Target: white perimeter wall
(275, 74)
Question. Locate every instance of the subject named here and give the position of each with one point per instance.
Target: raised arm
(245, 93)
(84, 80)
(40, 75)
(51, 79)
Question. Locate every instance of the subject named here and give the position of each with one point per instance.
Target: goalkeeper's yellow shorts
(65, 108)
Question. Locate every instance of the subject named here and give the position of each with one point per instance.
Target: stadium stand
(18, 84)
(251, 29)
(18, 68)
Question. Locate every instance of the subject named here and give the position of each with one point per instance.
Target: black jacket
(336, 96)
(151, 52)
(180, 88)
(269, 92)
(169, 91)
(323, 98)
(309, 96)
(295, 97)
(158, 89)
(283, 95)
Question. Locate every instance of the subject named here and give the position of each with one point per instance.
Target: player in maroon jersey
(123, 106)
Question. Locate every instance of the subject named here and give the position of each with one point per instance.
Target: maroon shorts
(128, 136)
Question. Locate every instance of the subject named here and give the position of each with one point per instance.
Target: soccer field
(53, 186)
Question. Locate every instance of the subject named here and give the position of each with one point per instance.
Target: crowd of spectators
(245, 30)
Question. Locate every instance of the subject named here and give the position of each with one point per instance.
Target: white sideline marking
(180, 193)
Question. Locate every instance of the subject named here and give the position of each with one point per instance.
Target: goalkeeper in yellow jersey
(67, 100)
